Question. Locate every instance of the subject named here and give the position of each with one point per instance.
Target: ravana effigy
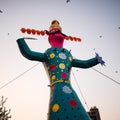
(64, 103)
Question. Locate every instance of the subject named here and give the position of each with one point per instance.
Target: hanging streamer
(43, 32)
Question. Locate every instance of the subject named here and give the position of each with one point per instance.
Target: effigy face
(58, 61)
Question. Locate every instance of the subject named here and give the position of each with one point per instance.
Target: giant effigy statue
(64, 103)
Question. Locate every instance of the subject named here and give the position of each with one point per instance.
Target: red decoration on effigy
(23, 30)
(73, 103)
(29, 31)
(52, 67)
(33, 31)
(42, 32)
(38, 32)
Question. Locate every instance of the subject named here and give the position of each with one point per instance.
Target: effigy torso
(58, 62)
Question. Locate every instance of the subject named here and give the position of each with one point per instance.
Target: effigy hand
(100, 60)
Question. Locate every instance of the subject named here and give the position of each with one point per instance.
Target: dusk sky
(96, 22)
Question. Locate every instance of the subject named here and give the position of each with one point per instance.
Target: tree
(4, 113)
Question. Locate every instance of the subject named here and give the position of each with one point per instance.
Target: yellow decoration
(55, 107)
(52, 55)
(62, 66)
(70, 59)
(57, 81)
(53, 77)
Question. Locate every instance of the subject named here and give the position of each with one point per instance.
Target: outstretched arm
(85, 63)
(26, 52)
(88, 63)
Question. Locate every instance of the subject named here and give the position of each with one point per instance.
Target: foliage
(4, 113)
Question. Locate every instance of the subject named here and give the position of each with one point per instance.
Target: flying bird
(1, 11)
(100, 36)
(67, 1)
(116, 71)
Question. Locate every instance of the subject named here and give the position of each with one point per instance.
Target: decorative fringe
(42, 32)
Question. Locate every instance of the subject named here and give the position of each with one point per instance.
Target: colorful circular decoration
(55, 107)
(62, 66)
(63, 75)
(73, 103)
(66, 89)
(53, 87)
(62, 56)
(53, 67)
(52, 55)
(53, 77)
